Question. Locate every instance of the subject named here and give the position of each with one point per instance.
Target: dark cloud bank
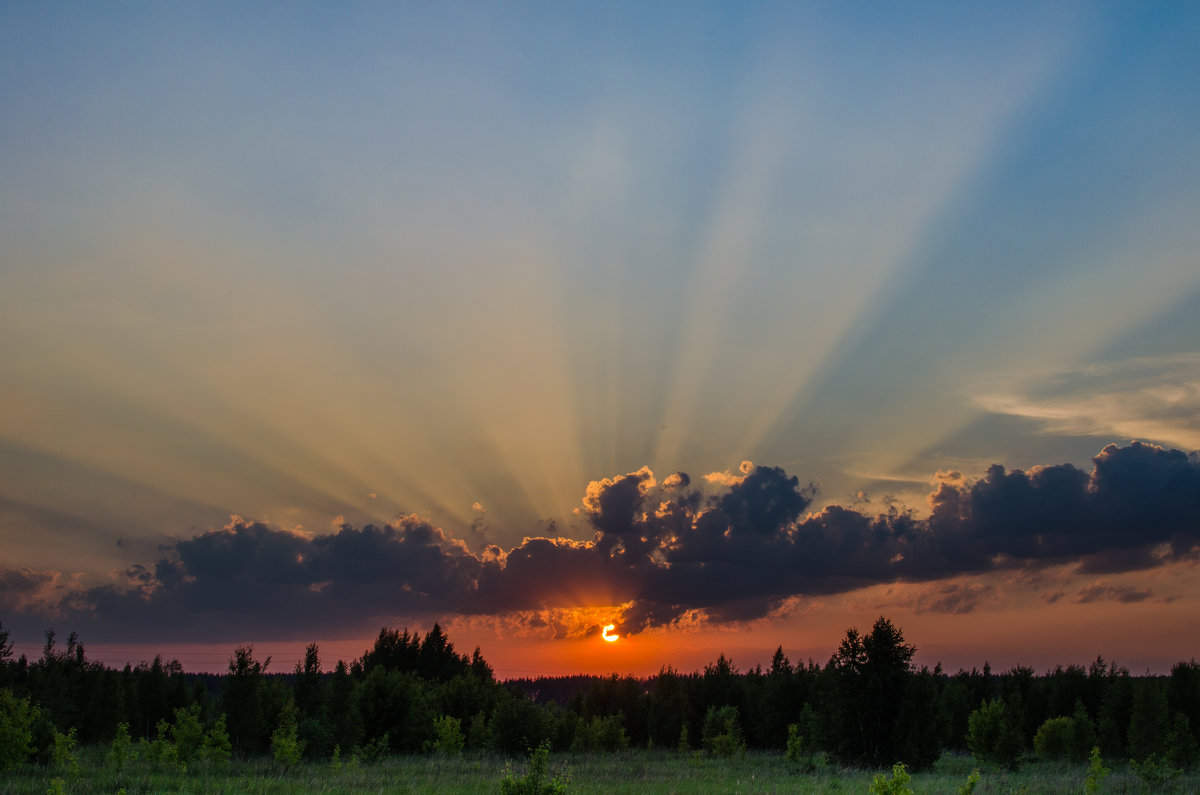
(669, 548)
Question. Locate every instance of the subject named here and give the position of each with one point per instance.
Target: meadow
(629, 771)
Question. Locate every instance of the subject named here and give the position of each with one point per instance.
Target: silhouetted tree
(869, 674)
(308, 695)
(668, 710)
(393, 651)
(396, 704)
(1149, 722)
(518, 725)
(342, 708)
(243, 702)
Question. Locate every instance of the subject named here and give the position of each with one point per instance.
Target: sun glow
(605, 633)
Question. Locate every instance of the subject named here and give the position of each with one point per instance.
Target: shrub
(992, 736)
(1053, 738)
(217, 748)
(64, 753)
(601, 734)
(375, 750)
(795, 743)
(479, 731)
(722, 732)
(161, 750)
(1083, 733)
(968, 787)
(1181, 743)
(802, 754)
(1154, 771)
(519, 724)
(1097, 772)
(121, 751)
(316, 737)
(536, 780)
(187, 732)
(17, 718)
(898, 784)
(285, 745)
(448, 731)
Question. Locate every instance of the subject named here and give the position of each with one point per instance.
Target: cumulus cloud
(666, 553)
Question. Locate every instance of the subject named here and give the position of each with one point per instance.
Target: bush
(1181, 743)
(187, 732)
(536, 780)
(316, 738)
(375, 750)
(1097, 772)
(518, 724)
(121, 751)
(722, 732)
(285, 745)
(1083, 733)
(992, 736)
(217, 747)
(801, 753)
(1054, 738)
(448, 731)
(795, 744)
(896, 785)
(1154, 771)
(161, 751)
(64, 753)
(601, 734)
(17, 719)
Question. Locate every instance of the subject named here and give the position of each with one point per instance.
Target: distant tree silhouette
(243, 700)
(343, 715)
(1150, 719)
(869, 706)
(396, 704)
(393, 651)
(668, 709)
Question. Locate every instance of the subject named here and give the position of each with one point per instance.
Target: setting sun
(607, 629)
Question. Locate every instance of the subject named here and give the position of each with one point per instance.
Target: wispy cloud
(1152, 398)
(1104, 592)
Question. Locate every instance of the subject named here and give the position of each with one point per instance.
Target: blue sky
(309, 264)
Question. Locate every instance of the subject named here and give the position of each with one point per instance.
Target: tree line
(867, 706)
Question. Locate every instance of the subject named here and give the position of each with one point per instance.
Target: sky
(731, 325)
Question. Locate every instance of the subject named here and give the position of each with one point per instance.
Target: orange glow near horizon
(1010, 622)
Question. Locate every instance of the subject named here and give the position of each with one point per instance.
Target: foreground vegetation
(629, 771)
(411, 714)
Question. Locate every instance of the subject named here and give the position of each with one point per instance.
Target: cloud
(730, 478)
(660, 554)
(956, 598)
(1155, 398)
(1103, 592)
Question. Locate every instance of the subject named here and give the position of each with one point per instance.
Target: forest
(868, 707)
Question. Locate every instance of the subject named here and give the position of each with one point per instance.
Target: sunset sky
(733, 324)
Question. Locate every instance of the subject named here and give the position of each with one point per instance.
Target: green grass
(634, 771)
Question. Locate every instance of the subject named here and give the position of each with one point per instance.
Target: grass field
(626, 772)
